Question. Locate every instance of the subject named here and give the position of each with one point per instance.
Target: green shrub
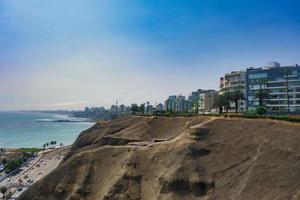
(261, 110)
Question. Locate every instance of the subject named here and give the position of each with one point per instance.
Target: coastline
(33, 129)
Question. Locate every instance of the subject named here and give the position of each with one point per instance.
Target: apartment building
(207, 100)
(233, 81)
(282, 84)
(178, 104)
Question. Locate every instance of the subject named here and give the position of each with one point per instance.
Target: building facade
(178, 104)
(160, 107)
(207, 100)
(282, 84)
(233, 81)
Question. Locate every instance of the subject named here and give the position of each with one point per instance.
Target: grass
(29, 150)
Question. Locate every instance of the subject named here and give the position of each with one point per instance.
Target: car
(20, 188)
(8, 180)
(40, 173)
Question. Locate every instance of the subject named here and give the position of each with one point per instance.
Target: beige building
(233, 81)
(207, 100)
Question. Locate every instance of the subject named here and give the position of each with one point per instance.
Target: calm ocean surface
(20, 129)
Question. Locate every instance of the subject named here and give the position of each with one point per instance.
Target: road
(36, 169)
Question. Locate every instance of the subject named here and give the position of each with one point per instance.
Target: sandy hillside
(178, 158)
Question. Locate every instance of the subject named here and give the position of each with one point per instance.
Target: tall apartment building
(233, 81)
(282, 83)
(170, 103)
(178, 104)
(207, 100)
(160, 107)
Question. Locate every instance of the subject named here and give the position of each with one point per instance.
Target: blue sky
(72, 53)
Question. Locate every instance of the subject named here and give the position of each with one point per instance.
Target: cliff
(178, 158)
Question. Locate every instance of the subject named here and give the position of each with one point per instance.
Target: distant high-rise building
(114, 108)
(121, 108)
(178, 104)
(160, 107)
(170, 103)
(148, 110)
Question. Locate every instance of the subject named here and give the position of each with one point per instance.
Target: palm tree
(226, 98)
(202, 105)
(262, 95)
(142, 108)
(196, 107)
(147, 108)
(222, 101)
(236, 96)
(287, 72)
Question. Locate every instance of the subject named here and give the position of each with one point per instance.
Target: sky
(68, 54)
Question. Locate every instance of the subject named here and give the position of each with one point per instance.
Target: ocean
(33, 129)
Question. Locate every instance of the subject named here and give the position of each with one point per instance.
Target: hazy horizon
(67, 54)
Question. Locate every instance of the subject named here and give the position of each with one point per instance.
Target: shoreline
(22, 129)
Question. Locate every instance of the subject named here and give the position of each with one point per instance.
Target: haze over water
(20, 129)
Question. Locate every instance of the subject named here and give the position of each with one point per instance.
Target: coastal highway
(34, 171)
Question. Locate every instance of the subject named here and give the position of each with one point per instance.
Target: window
(261, 75)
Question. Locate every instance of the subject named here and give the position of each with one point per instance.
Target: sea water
(33, 129)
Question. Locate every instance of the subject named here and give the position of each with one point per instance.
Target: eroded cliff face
(178, 158)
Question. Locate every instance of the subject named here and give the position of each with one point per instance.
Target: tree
(236, 96)
(202, 105)
(142, 108)
(147, 108)
(44, 146)
(135, 109)
(12, 165)
(3, 190)
(262, 95)
(287, 72)
(196, 108)
(222, 101)
(2, 152)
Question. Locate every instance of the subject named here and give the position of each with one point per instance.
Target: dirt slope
(178, 158)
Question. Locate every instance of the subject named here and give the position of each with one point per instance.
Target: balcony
(283, 105)
(284, 80)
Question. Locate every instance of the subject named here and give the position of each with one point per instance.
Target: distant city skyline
(70, 54)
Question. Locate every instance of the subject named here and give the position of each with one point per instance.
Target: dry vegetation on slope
(178, 158)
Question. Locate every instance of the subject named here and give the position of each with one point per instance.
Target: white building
(233, 81)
